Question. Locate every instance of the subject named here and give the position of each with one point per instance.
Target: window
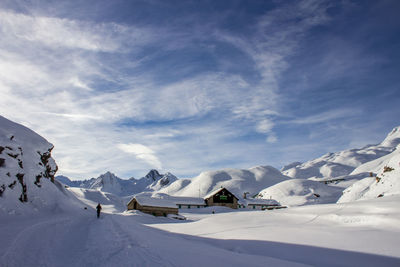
(180, 206)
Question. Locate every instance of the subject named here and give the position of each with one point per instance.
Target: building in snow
(157, 204)
(221, 197)
(160, 204)
(259, 204)
(189, 202)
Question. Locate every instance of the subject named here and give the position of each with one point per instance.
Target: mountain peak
(153, 175)
(393, 138)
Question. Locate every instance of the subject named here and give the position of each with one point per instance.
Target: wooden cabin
(221, 197)
(155, 205)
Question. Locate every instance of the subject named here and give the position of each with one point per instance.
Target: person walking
(98, 208)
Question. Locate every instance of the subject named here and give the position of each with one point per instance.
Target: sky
(190, 86)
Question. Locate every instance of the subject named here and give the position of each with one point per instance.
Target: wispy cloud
(62, 87)
(142, 152)
(126, 96)
(327, 116)
(58, 32)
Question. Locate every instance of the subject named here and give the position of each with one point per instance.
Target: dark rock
(2, 189)
(12, 184)
(13, 155)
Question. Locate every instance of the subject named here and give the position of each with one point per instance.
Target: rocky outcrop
(25, 158)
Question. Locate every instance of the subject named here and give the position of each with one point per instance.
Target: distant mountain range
(109, 182)
(249, 181)
(321, 180)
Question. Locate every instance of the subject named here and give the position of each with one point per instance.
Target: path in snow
(113, 240)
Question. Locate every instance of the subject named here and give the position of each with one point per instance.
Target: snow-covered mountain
(76, 183)
(298, 192)
(237, 181)
(343, 162)
(109, 182)
(385, 183)
(27, 171)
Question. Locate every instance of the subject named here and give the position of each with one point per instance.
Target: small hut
(259, 204)
(221, 197)
(157, 205)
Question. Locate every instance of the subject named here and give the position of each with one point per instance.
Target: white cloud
(327, 116)
(265, 126)
(51, 68)
(58, 32)
(272, 138)
(142, 152)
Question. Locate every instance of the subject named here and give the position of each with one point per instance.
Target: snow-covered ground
(363, 233)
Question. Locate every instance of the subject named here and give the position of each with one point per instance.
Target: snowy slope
(296, 192)
(385, 183)
(343, 162)
(237, 181)
(90, 197)
(27, 172)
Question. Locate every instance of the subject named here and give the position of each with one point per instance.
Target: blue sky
(189, 86)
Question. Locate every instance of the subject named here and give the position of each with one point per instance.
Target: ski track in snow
(80, 241)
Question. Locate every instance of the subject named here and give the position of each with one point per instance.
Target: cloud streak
(142, 152)
(128, 95)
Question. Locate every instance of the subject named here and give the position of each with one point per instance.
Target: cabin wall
(233, 205)
(158, 211)
(131, 204)
(191, 206)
